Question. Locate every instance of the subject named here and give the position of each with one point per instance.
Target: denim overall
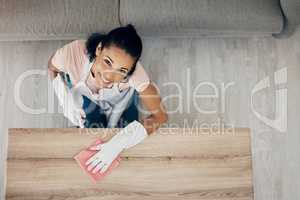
(110, 108)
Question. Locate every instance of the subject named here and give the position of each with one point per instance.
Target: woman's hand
(71, 104)
(79, 116)
(128, 137)
(107, 153)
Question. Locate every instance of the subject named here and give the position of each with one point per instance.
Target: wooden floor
(170, 164)
(243, 61)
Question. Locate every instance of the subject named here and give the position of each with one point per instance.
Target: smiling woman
(100, 63)
(99, 82)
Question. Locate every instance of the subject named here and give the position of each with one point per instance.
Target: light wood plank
(228, 178)
(170, 142)
(224, 194)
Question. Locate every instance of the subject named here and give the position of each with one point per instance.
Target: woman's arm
(134, 133)
(52, 70)
(152, 102)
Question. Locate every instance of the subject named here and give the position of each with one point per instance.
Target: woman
(98, 82)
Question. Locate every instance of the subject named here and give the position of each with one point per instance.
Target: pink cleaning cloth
(84, 155)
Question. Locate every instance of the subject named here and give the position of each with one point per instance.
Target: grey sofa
(69, 19)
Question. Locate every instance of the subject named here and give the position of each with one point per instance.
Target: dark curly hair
(124, 37)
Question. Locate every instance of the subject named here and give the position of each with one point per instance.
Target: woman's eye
(107, 62)
(123, 71)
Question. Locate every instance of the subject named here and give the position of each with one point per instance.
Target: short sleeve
(70, 58)
(139, 80)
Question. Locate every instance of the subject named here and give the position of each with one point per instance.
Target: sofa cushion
(202, 17)
(55, 19)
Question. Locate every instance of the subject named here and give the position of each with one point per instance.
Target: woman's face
(112, 64)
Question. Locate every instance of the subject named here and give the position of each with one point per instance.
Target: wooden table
(173, 163)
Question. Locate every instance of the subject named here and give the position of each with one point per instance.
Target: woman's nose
(108, 77)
